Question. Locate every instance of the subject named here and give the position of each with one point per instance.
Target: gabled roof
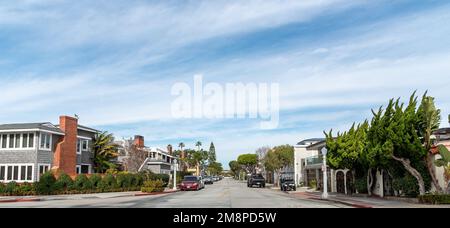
(310, 141)
(31, 126)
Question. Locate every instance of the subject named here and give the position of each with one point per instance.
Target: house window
(78, 146)
(27, 140)
(85, 169)
(4, 141)
(43, 169)
(2, 173)
(9, 173)
(17, 144)
(45, 141)
(31, 140)
(84, 144)
(11, 141)
(16, 172)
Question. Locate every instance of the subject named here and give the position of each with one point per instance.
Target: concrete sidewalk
(108, 195)
(364, 201)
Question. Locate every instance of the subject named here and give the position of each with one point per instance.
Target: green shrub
(313, 184)
(163, 177)
(46, 184)
(26, 189)
(361, 185)
(124, 180)
(2, 189)
(407, 185)
(11, 188)
(153, 186)
(64, 183)
(435, 199)
(108, 182)
(96, 179)
(82, 183)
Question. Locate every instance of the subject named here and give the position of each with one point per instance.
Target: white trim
(28, 130)
(20, 148)
(82, 137)
(79, 168)
(19, 174)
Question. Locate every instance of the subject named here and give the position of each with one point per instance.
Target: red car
(190, 183)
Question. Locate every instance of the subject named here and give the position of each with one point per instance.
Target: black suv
(287, 182)
(256, 179)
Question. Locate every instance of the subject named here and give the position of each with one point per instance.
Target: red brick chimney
(139, 141)
(65, 157)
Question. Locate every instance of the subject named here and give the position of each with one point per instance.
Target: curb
(54, 199)
(154, 193)
(355, 205)
(20, 200)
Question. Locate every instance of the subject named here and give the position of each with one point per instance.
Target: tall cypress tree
(212, 154)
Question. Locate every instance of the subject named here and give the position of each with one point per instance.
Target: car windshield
(190, 178)
(258, 176)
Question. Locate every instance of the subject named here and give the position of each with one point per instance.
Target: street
(227, 193)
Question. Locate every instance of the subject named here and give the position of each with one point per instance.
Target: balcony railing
(314, 160)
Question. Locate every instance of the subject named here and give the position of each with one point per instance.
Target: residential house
(157, 160)
(28, 150)
(308, 160)
(160, 161)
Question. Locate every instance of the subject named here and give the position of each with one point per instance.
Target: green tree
(279, 157)
(212, 154)
(198, 144)
(235, 167)
(248, 162)
(348, 150)
(215, 168)
(394, 135)
(181, 146)
(104, 150)
(429, 121)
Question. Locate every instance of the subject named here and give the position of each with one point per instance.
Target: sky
(113, 63)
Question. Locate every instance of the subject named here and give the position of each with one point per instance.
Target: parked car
(208, 180)
(287, 182)
(193, 183)
(256, 179)
(202, 182)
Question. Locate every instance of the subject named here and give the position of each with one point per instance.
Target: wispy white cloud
(109, 65)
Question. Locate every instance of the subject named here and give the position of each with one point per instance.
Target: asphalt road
(227, 193)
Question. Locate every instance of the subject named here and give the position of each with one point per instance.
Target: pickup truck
(256, 179)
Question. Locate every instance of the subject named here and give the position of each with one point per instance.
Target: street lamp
(325, 177)
(175, 174)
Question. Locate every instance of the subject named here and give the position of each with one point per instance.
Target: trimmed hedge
(153, 186)
(49, 185)
(435, 199)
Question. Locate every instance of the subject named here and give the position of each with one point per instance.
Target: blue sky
(114, 62)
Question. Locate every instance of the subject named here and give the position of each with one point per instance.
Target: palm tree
(181, 145)
(104, 151)
(198, 145)
(429, 121)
